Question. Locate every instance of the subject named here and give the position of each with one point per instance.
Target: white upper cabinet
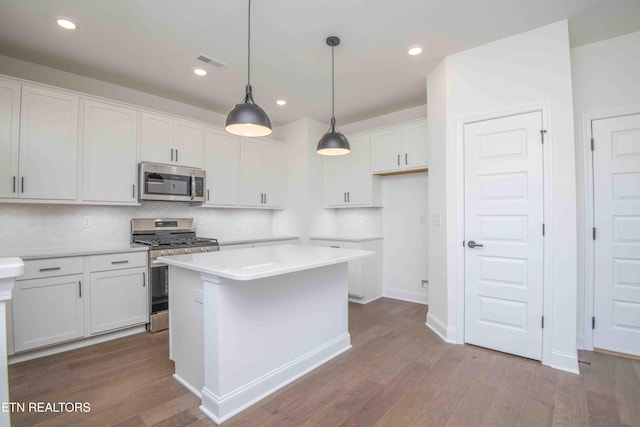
(48, 145)
(9, 138)
(222, 166)
(171, 141)
(109, 141)
(399, 148)
(262, 173)
(348, 179)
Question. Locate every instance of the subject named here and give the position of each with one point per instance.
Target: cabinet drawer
(50, 267)
(117, 261)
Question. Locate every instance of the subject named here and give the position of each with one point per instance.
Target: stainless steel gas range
(167, 236)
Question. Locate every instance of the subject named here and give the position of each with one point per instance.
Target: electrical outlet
(86, 221)
(425, 283)
(199, 296)
(421, 219)
(201, 220)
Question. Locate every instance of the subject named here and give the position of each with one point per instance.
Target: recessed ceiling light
(414, 50)
(199, 72)
(281, 102)
(66, 24)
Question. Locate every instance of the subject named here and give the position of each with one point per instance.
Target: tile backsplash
(48, 226)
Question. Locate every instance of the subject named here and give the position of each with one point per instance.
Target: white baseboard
(404, 295)
(187, 385)
(564, 362)
(437, 326)
(221, 408)
(84, 342)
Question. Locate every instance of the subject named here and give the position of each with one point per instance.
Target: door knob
(473, 244)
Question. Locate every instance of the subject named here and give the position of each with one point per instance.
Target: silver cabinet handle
(344, 197)
(265, 198)
(406, 158)
(473, 244)
(172, 154)
(14, 184)
(119, 262)
(133, 191)
(22, 184)
(50, 269)
(176, 154)
(79, 288)
(398, 159)
(144, 279)
(335, 246)
(349, 196)
(208, 195)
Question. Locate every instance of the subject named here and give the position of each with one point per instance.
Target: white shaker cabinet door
(48, 144)
(272, 174)
(9, 138)
(386, 150)
(222, 167)
(252, 191)
(48, 311)
(358, 173)
(109, 142)
(118, 299)
(187, 143)
(415, 146)
(155, 138)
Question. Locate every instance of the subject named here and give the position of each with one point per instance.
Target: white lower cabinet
(258, 244)
(365, 275)
(48, 311)
(69, 298)
(118, 299)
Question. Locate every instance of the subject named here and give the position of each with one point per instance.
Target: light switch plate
(436, 219)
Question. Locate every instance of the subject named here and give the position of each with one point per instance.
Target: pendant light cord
(333, 93)
(249, 47)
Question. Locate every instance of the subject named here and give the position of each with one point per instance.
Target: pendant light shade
(247, 118)
(333, 143)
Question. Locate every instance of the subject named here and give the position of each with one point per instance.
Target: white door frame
(588, 261)
(547, 307)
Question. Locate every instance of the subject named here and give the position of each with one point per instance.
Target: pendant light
(333, 143)
(247, 118)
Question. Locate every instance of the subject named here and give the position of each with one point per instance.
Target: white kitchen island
(245, 323)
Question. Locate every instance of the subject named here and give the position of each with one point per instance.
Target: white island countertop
(258, 263)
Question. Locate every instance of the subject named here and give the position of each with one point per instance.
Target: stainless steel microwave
(171, 183)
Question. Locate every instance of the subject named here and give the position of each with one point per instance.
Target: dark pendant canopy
(333, 143)
(247, 118)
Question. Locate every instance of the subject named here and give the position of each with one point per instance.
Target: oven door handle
(155, 263)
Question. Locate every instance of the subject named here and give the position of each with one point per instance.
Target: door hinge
(543, 229)
(542, 132)
(594, 233)
(542, 322)
(593, 144)
(593, 322)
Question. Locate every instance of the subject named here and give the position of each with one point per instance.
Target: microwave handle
(193, 186)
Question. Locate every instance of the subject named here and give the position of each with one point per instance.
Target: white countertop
(11, 267)
(258, 263)
(39, 253)
(347, 238)
(241, 240)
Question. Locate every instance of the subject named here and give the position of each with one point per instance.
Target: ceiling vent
(210, 61)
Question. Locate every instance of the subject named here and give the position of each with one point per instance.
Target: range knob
(202, 249)
(208, 249)
(170, 251)
(187, 251)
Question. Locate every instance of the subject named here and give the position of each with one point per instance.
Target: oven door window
(159, 288)
(167, 184)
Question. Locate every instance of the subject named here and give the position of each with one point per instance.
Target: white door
(9, 138)
(251, 172)
(616, 165)
(358, 174)
(504, 219)
(187, 142)
(272, 177)
(222, 166)
(156, 139)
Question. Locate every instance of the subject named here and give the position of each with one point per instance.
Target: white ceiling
(149, 45)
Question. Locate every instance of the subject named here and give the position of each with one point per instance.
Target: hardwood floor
(398, 373)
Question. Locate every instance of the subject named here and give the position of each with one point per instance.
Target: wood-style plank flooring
(398, 373)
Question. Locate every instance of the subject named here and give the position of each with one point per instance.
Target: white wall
(527, 71)
(404, 218)
(605, 83)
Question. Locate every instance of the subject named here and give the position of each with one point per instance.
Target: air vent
(210, 61)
